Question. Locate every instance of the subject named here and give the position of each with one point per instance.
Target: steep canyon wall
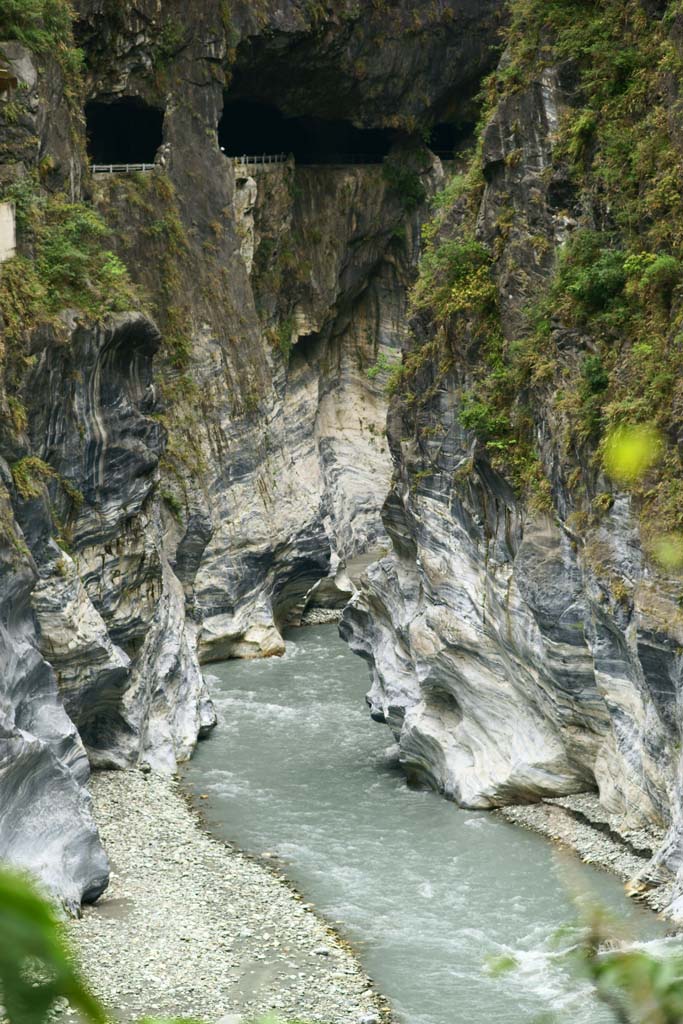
(190, 437)
(524, 634)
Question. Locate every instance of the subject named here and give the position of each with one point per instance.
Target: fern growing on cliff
(613, 289)
(45, 28)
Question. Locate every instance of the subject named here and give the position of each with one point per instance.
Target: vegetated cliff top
(562, 303)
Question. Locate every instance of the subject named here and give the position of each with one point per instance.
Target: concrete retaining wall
(8, 234)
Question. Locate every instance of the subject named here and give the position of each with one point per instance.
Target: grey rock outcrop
(287, 511)
(184, 477)
(46, 823)
(112, 617)
(512, 655)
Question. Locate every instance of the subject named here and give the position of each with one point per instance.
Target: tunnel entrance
(448, 138)
(250, 128)
(126, 131)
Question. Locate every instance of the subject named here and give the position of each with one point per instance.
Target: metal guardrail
(264, 158)
(121, 168)
(310, 160)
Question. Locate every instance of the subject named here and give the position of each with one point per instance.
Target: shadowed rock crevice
(448, 138)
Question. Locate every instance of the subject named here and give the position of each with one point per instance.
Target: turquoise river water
(430, 895)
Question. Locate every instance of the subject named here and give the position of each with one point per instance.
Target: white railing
(264, 158)
(121, 168)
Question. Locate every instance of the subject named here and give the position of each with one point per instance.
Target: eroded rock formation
(523, 645)
(181, 470)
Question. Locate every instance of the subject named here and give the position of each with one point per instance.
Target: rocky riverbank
(192, 928)
(580, 823)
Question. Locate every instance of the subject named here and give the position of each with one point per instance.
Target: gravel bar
(191, 927)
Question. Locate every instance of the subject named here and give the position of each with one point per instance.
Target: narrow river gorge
(431, 896)
(374, 310)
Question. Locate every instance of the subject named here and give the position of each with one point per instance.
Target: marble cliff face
(519, 651)
(176, 477)
(181, 477)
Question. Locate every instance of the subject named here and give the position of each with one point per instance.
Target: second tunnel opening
(251, 128)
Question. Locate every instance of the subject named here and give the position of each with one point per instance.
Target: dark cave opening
(248, 128)
(306, 346)
(448, 138)
(127, 131)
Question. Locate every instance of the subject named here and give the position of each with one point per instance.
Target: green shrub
(487, 422)
(39, 24)
(170, 40)
(173, 502)
(72, 267)
(23, 301)
(455, 187)
(581, 135)
(30, 476)
(455, 278)
(72, 262)
(45, 27)
(18, 413)
(595, 376)
(405, 183)
(592, 274)
(594, 384)
(284, 338)
(653, 276)
(382, 365)
(395, 379)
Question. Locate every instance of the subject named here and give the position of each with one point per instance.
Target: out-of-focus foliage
(668, 550)
(36, 967)
(640, 987)
(631, 451)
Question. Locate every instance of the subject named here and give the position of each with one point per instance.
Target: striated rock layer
(179, 478)
(517, 650)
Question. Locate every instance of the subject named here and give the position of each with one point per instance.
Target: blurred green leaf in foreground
(36, 968)
(630, 451)
(640, 987)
